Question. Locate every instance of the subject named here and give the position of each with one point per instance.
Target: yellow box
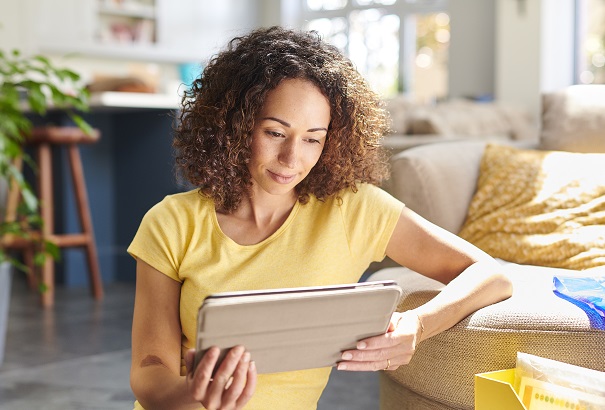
(494, 391)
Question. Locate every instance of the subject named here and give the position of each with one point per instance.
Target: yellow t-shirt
(320, 243)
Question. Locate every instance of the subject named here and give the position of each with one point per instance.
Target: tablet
(296, 328)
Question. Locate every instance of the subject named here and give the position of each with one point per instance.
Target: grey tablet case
(296, 328)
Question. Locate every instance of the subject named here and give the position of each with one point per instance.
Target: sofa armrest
(438, 180)
(396, 143)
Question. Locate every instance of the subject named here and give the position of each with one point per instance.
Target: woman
(280, 135)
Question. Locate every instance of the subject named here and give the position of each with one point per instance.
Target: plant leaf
(80, 122)
(37, 99)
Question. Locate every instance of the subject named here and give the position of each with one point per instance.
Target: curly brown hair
(213, 132)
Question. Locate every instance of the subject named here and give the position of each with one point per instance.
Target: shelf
(122, 23)
(126, 30)
(134, 100)
(129, 52)
(142, 13)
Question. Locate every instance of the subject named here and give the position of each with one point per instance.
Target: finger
(238, 381)
(222, 376)
(391, 363)
(371, 360)
(199, 379)
(388, 366)
(395, 318)
(401, 352)
(368, 366)
(403, 330)
(250, 386)
(370, 355)
(389, 339)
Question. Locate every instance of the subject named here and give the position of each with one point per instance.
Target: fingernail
(252, 365)
(362, 345)
(341, 366)
(347, 356)
(246, 357)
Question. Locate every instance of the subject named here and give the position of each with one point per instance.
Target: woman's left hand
(388, 351)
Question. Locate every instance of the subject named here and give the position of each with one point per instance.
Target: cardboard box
(494, 391)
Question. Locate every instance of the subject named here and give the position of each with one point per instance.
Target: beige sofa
(439, 182)
(415, 124)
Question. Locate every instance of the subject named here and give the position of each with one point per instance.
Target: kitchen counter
(122, 100)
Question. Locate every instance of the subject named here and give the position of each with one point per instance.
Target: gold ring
(388, 364)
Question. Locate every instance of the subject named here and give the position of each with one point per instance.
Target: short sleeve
(370, 216)
(160, 240)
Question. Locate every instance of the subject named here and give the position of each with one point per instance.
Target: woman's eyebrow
(282, 122)
(287, 124)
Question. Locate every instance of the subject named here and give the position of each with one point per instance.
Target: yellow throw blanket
(542, 208)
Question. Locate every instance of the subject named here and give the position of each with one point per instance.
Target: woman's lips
(281, 179)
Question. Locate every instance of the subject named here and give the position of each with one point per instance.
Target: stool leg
(45, 186)
(28, 257)
(12, 203)
(77, 173)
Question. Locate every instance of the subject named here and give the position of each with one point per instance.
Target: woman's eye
(275, 134)
(313, 140)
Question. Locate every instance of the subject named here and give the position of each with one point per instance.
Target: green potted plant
(28, 86)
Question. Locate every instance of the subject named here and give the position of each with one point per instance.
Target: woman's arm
(156, 354)
(474, 280)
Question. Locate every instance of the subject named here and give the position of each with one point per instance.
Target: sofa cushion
(398, 108)
(471, 119)
(437, 180)
(573, 119)
(542, 208)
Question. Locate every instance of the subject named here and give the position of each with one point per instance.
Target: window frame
(407, 28)
(580, 32)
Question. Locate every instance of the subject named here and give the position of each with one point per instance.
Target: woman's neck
(262, 208)
(257, 218)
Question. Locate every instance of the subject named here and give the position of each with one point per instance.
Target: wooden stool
(42, 139)
(10, 241)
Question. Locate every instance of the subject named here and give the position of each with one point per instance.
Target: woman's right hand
(232, 385)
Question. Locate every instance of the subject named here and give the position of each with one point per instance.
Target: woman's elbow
(502, 285)
(141, 390)
(136, 386)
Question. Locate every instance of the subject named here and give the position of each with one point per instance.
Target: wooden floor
(77, 355)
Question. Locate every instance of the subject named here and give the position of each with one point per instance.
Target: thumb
(395, 318)
(393, 323)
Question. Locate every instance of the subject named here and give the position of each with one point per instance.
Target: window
(591, 42)
(430, 62)
(398, 45)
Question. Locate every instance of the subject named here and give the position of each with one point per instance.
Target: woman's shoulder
(362, 195)
(183, 203)
(186, 197)
(362, 190)
(366, 196)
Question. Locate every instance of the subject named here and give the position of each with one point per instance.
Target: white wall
(534, 50)
(272, 12)
(208, 25)
(472, 43)
(557, 45)
(15, 31)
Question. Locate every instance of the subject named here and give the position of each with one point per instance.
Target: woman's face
(288, 136)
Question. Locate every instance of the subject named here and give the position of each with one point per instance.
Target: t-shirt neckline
(265, 241)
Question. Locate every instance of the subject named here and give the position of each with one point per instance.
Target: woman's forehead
(297, 103)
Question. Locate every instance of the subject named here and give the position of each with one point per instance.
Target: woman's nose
(289, 153)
